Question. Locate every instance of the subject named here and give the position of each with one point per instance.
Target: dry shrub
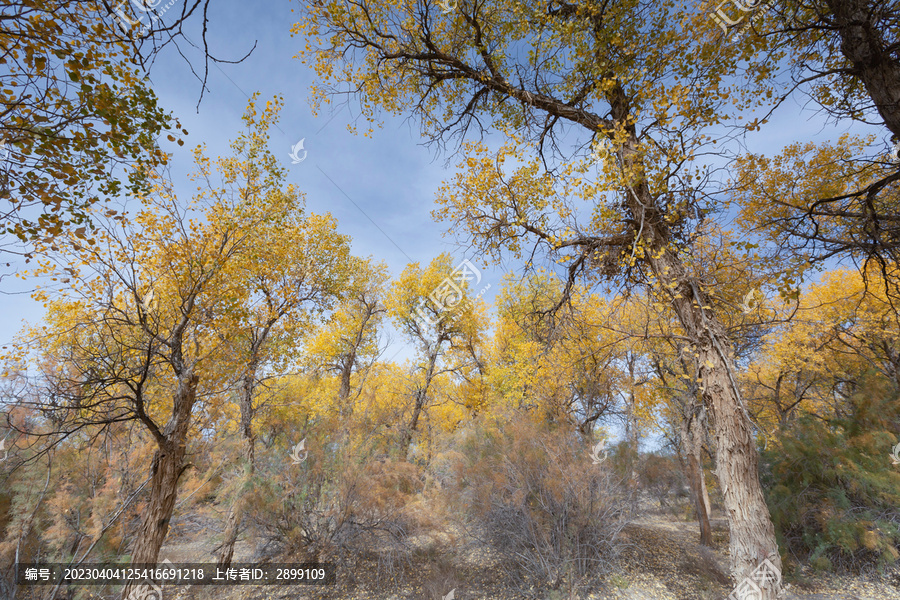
(536, 497)
(662, 478)
(338, 505)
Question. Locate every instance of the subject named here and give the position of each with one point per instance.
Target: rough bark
(751, 528)
(166, 470)
(691, 449)
(863, 43)
(752, 531)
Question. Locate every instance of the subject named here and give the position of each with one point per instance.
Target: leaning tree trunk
(691, 447)
(421, 399)
(167, 468)
(737, 460)
(248, 440)
(751, 528)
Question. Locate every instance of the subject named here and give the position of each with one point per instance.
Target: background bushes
(536, 498)
(832, 489)
(344, 503)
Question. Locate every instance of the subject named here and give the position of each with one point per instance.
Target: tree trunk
(703, 489)
(737, 460)
(344, 391)
(236, 512)
(865, 46)
(693, 426)
(632, 439)
(752, 531)
(421, 398)
(167, 468)
(691, 446)
(413, 423)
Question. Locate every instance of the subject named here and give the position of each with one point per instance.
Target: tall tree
(295, 271)
(434, 308)
(637, 82)
(131, 335)
(347, 344)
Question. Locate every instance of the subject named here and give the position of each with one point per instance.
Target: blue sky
(381, 189)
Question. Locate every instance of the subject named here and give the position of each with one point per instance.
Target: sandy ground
(661, 560)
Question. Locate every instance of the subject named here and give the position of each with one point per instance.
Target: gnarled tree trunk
(165, 472)
(737, 460)
(751, 528)
(867, 48)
